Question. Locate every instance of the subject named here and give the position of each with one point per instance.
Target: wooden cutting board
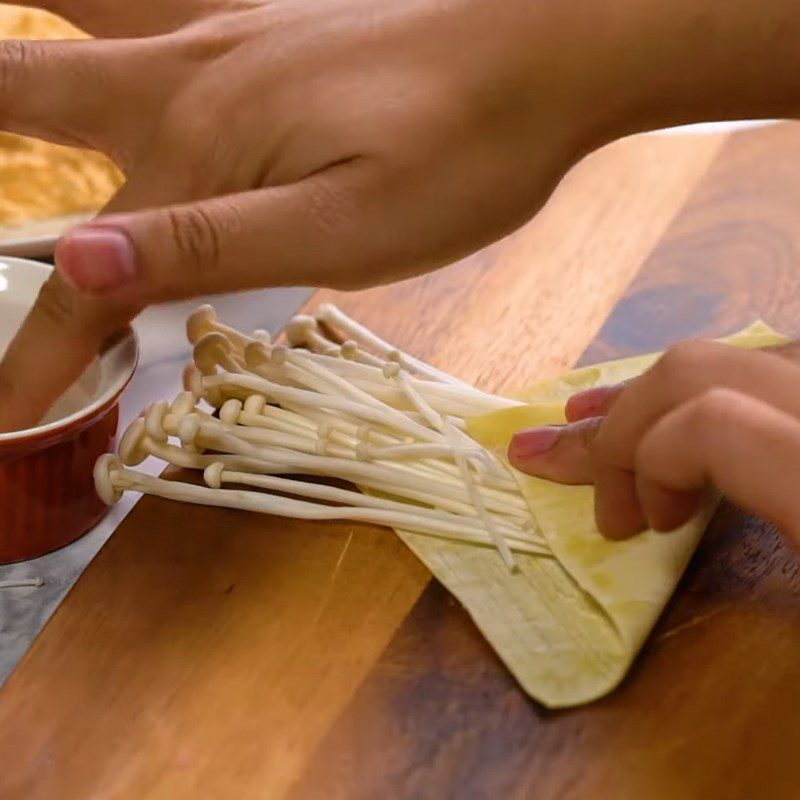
(211, 654)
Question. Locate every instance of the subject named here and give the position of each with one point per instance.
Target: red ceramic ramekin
(47, 495)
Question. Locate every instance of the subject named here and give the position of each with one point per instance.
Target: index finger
(59, 338)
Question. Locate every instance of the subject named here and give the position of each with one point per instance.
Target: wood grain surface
(211, 654)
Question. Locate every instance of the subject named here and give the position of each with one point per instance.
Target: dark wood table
(210, 654)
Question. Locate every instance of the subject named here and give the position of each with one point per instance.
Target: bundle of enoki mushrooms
(337, 402)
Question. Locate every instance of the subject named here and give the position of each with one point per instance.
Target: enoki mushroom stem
(22, 583)
(340, 403)
(113, 478)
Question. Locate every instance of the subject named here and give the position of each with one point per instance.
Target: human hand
(338, 143)
(704, 414)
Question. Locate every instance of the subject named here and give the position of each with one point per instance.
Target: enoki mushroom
(22, 583)
(339, 403)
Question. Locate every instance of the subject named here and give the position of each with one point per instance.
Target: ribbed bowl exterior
(47, 496)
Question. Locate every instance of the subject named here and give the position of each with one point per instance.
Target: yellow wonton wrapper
(568, 627)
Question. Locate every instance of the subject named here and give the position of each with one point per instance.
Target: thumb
(304, 233)
(560, 453)
(61, 335)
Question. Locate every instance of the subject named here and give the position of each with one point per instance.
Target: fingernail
(533, 442)
(589, 403)
(96, 260)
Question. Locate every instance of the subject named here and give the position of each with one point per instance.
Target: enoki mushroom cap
(255, 404)
(279, 354)
(298, 328)
(364, 451)
(188, 429)
(183, 404)
(256, 355)
(262, 337)
(193, 381)
(210, 351)
(200, 322)
(133, 445)
(154, 421)
(349, 350)
(327, 312)
(103, 482)
(229, 413)
(212, 475)
(177, 412)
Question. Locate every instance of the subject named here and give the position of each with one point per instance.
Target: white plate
(37, 239)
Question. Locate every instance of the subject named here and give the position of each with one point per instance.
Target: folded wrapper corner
(569, 627)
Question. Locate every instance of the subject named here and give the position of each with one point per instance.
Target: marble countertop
(25, 611)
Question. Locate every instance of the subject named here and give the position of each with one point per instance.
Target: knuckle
(685, 359)
(196, 237)
(332, 210)
(196, 133)
(333, 206)
(14, 57)
(57, 304)
(587, 432)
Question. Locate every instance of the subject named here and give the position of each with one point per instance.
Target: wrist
(682, 62)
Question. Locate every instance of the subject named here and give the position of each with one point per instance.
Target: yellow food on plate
(38, 180)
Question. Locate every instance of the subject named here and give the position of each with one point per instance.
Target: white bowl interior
(20, 282)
